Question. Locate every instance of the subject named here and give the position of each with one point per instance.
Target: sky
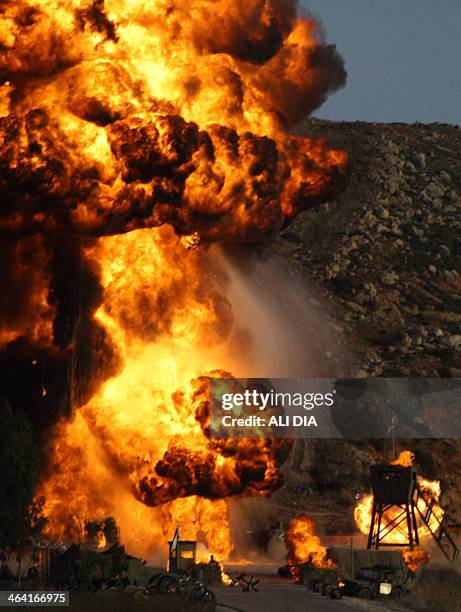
(403, 58)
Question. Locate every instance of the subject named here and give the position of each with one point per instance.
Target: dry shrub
(439, 588)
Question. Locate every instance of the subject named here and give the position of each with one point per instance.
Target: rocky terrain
(386, 260)
(387, 254)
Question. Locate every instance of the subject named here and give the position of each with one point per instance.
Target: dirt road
(277, 597)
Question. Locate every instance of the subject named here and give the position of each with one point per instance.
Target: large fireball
(130, 132)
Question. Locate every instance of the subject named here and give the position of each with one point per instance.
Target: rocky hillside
(387, 254)
(386, 257)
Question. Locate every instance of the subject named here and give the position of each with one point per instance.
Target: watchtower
(393, 510)
(397, 501)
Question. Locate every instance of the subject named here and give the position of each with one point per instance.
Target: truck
(359, 573)
(374, 582)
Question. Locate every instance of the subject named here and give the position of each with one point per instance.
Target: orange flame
(141, 443)
(405, 459)
(415, 559)
(363, 509)
(304, 545)
(133, 135)
(101, 539)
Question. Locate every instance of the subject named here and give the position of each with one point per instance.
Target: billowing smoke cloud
(54, 353)
(221, 468)
(90, 147)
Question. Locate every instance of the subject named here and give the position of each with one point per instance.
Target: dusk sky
(403, 58)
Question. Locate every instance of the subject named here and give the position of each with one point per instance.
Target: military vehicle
(320, 580)
(373, 582)
(355, 572)
(80, 567)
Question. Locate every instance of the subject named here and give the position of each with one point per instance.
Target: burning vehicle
(347, 571)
